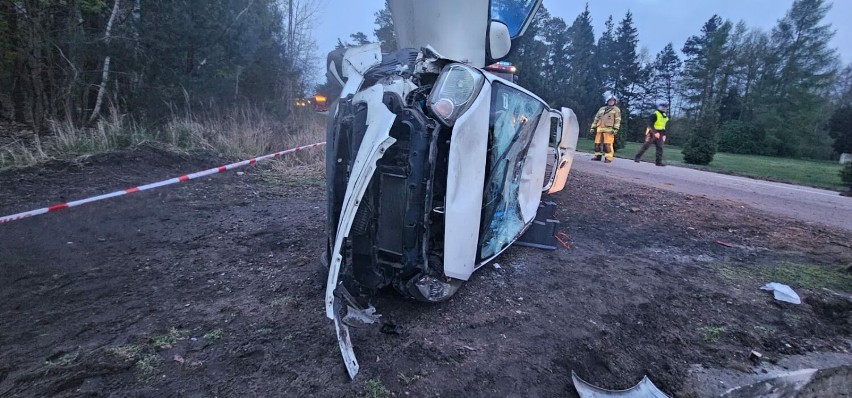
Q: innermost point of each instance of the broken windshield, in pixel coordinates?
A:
(512, 123)
(513, 13)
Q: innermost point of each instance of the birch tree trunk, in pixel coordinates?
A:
(105, 76)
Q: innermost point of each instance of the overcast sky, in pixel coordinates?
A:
(680, 19)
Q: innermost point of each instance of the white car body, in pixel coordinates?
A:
(434, 166)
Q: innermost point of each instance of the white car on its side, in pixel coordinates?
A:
(434, 165)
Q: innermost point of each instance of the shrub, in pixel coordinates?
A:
(846, 174)
(739, 137)
(701, 146)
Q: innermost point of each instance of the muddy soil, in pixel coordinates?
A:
(214, 288)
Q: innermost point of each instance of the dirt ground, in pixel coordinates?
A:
(213, 289)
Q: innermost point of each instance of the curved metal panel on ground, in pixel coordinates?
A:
(645, 389)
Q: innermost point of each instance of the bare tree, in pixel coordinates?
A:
(105, 76)
(300, 48)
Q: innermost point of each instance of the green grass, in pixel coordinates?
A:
(375, 389)
(672, 155)
(148, 363)
(808, 276)
(127, 352)
(815, 173)
(168, 340)
(214, 334)
(711, 333)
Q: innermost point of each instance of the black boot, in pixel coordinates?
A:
(597, 157)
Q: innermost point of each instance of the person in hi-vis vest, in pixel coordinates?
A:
(605, 126)
(656, 133)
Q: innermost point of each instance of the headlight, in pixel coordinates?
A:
(454, 92)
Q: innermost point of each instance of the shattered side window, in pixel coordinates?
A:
(512, 124)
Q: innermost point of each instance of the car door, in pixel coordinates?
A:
(565, 148)
(553, 154)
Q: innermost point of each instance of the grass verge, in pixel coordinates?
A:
(815, 173)
(238, 133)
(808, 276)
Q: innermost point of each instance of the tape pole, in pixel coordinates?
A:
(171, 181)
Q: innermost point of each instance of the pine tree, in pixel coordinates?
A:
(793, 106)
(666, 70)
(583, 74)
(606, 56)
(556, 37)
(533, 57)
(385, 32)
(751, 59)
(842, 93)
(359, 38)
(703, 76)
(627, 73)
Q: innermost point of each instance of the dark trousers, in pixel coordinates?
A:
(658, 142)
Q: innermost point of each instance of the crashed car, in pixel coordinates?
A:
(434, 165)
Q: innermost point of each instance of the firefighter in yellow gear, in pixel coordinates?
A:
(605, 126)
(656, 133)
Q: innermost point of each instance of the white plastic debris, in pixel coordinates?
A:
(356, 317)
(783, 292)
(644, 389)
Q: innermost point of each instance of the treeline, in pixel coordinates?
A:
(74, 60)
(732, 88)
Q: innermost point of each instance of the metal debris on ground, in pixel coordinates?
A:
(644, 389)
(726, 244)
(782, 292)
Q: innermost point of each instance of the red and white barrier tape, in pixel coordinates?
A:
(183, 178)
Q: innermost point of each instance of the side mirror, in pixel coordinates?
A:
(499, 40)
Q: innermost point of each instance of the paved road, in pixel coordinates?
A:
(807, 204)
